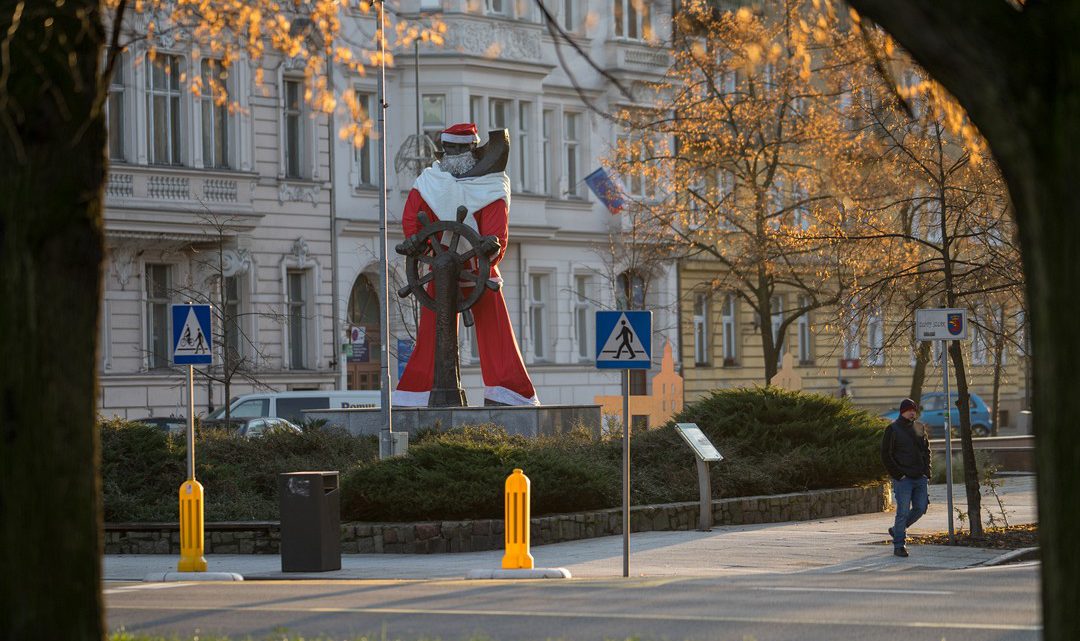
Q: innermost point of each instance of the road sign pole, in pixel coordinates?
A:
(948, 438)
(626, 474)
(191, 423)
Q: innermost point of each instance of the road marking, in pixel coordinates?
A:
(947, 625)
(856, 590)
(145, 586)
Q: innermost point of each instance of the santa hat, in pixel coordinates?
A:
(461, 134)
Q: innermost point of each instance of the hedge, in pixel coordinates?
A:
(773, 441)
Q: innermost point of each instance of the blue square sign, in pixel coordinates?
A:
(624, 339)
(191, 342)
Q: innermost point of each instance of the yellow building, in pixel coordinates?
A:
(721, 348)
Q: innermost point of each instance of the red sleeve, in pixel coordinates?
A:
(494, 220)
(414, 204)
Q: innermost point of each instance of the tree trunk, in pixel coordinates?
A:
(918, 375)
(52, 150)
(971, 474)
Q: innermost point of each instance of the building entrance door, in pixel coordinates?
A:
(363, 331)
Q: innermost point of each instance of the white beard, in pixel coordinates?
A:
(458, 165)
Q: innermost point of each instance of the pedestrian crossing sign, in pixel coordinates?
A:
(624, 339)
(191, 342)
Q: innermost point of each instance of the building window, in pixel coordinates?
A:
(806, 338)
(776, 303)
(875, 339)
(115, 111)
(548, 160)
(538, 296)
(523, 171)
(631, 19)
(434, 115)
(157, 316)
(729, 323)
(364, 156)
(583, 316)
(430, 5)
(230, 308)
(980, 352)
(631, 294)
(572, 154)
(569, 15)
(701, 329)
(163, 110)
(214, 109)
(295, 140)
(852, 350)
(296, 303)
(497, 7)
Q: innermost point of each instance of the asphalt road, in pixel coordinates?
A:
(983, 604)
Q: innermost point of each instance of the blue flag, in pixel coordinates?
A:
(606, 189)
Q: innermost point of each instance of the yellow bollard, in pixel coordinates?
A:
(516, 534)
(191, 528)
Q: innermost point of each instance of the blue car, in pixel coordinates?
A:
(932, 413)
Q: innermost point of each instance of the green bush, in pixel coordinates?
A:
(773, 441)
(143, 467)
(460, 474)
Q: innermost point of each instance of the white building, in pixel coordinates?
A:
(262, 176)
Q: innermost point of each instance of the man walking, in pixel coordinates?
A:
(906, 455)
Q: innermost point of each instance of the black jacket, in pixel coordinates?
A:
(904, 451)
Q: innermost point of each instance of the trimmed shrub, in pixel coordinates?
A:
(460, 474)
(773, 441)
(143, 467)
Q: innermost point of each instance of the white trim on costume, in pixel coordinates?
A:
(461, 139)
(506, 396)
(403, 398)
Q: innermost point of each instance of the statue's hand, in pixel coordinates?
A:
(410, 247)
(489, 246)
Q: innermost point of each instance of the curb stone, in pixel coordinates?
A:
(1023, 554)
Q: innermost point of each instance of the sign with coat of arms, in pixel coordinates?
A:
(945, 324)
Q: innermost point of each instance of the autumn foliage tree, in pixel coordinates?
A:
(743, 148)
(933, 211)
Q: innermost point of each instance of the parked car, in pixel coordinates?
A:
(290, 405)
(171, 424)
(256, 427)
(932, 413)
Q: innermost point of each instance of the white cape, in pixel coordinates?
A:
(444, 193)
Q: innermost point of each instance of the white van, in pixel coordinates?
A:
(289, 405)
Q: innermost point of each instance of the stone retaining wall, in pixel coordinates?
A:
(264, 537)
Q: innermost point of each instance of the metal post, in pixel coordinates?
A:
(704, 496)
(335, 290)
(948, 439)
(626, 474)
(191, 423)
(386, 434)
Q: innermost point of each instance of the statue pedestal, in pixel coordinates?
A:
(545, 420)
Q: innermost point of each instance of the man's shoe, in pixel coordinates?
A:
(901, 551)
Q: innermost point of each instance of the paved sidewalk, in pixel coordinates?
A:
(846, 544)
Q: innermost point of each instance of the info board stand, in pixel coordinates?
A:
(944, 325)
(624, 341)
(704, 453)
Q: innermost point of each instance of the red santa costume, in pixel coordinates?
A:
(438, 193)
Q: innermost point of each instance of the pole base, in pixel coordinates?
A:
(447, 397)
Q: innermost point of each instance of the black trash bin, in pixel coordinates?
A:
(310, 521)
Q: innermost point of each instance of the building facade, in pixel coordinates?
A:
(236, 206)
